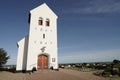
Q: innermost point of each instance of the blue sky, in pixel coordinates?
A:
(88, 30)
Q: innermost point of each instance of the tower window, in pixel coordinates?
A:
(43, 36)
(40, 21)
(47, 22)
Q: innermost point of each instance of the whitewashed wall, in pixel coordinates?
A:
(22, 54)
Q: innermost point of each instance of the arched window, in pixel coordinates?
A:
(40, 21)
(47, 22)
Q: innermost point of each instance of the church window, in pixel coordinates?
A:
(43, 36)
(40, 21)
(47, 22)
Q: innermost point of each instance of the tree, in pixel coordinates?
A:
(3, 56)
(116, 61)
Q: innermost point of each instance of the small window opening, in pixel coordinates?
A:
(47, 22)
(40, 21)
(43, 36)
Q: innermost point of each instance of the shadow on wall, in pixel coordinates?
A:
(25, 53)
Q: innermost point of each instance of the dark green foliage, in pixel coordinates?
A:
(12, 69)
(91, 66)
(114, 69)
(116, 61)
(100, 67)
(106, 74)
(3, 56)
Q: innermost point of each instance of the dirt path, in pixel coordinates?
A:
(52, 75)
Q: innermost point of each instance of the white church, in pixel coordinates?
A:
(39, 48)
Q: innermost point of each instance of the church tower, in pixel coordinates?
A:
(39, 49)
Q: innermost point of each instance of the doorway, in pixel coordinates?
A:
(42, 61)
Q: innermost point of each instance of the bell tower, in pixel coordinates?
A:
(39, 49)
(42, 37)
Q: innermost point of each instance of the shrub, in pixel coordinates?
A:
(114, 72)
(98, 73)
(106, 74)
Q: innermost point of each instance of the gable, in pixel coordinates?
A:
(25, 39)
(43, 10)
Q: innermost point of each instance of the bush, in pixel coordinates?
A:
(106, 74)
(98, 73)
(119, 73)
(114, 72)
(100, 67)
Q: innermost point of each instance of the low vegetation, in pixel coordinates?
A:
(105, 69)
(113, 70)
(10, 68)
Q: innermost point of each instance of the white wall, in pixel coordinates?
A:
(22, 54)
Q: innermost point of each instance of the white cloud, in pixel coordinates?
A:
(90, 56)
(82, 56)
(96, 6)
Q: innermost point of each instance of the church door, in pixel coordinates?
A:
(42, 62)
